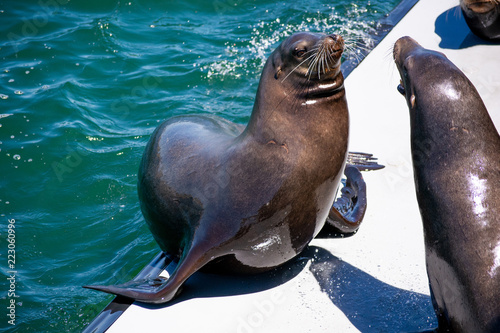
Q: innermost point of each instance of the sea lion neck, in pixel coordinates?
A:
(267, 107)
(297, 99)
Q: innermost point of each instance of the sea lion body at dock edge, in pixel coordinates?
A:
(248, 201)
(456, 161)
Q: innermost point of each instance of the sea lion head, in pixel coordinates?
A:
(307, 65)
(301, 78)
(419, 69)
(404, 52)
(483, 18)
(437, 91)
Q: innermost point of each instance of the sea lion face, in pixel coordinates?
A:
(309, 61)
(414, 64)
(483, 17)
(405, 51)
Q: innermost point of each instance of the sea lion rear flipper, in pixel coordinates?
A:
(348, 211)
(159, 289)
(135, 289)
(363, 161)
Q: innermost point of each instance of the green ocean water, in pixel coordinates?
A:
(82, 86)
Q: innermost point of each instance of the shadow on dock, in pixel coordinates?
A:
(454, 32)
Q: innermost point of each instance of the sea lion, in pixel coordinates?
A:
(456, 161)
(483, 18)
(248, 201)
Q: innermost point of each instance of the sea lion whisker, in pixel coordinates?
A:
(355, 49)
(357, 55)
(320, 62)
(321, 56)
(315, 62)
(314, 49)
(330, 57)
(333, 62)
(351, 42)
(329, 53)
(312, 68)
(353, 52)
(312, 65)
(293, 70)
(331, 50)
(326, 66)
(326, 58)
(350, 47)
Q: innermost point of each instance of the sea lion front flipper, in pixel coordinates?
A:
(348, 211)
(363, 161)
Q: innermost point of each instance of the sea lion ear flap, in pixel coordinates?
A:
(277, 64)
(277, 74)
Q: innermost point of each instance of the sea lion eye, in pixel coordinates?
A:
(299, 52)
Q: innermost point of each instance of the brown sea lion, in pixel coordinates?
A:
(456, 161)
(249, 201)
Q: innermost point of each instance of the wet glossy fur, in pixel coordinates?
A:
(248, 201)
(456, 159)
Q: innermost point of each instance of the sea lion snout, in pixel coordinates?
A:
(313, 60)
(402, 47)
(325, 57)
(480, 6)
(401, 54)
(335, 41)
